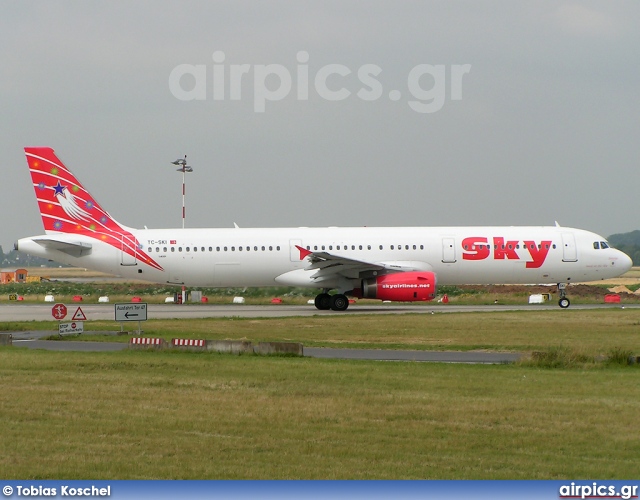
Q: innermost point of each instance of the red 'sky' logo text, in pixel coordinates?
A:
(478, 248)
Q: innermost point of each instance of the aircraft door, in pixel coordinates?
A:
(448, 250)
(569, 250)
(129, 244)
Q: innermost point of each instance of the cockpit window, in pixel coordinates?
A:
(604, 244)
(596, 245)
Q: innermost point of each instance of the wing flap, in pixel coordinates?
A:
(330, 266)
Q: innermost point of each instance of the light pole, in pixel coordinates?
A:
(183, 168)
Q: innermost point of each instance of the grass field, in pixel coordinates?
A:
(176, 415)
(169, 415)
(593, 332)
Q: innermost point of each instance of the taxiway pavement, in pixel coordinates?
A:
(33, 340)
(42, 312)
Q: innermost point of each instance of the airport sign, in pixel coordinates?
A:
(131, 312)
(79, 315)
(59, 311)
(73, 327)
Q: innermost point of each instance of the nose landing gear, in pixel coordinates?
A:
(564, 302)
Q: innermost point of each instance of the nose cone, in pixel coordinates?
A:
(624, 262)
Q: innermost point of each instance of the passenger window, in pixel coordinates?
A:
(179, 249)
(173, 249)
(263, 249)
(195, 249)
(149, 250)
(271, 249)
(421, 247)
(158, 249)
(164, 249)
(217, 249)
(278, 248)
(391, 247)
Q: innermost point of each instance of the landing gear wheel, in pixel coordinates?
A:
(323, 301)
(339, 302)
(564, 301)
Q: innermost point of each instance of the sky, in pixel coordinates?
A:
(333, 113)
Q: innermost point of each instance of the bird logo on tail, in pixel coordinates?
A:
(67, 207)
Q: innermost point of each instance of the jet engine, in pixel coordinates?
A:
(401, 287)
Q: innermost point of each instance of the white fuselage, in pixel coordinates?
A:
(266, 257)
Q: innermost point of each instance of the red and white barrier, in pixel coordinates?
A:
(188, 343)
(146, 341)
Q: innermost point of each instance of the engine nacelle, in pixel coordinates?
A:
(401, 287)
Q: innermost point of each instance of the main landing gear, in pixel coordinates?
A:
(337, 302)
(564, 302)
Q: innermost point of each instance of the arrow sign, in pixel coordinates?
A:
(131, 312)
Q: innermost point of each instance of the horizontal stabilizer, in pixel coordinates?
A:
(73, 248)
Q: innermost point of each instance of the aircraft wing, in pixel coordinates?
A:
(73, 248)
(329, 266)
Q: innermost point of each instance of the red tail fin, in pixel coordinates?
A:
(67, 207)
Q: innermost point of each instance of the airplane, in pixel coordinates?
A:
(403, 264)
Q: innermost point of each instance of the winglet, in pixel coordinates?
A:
(303, 252)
